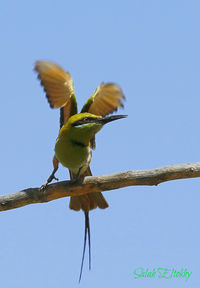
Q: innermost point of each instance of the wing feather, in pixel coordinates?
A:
(57, 83)
(58, 86)
(106, 99)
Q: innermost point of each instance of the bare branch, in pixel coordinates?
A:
(99, 184)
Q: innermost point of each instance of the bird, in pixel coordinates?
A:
(77, 132)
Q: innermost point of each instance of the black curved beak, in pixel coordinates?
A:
(108, 119)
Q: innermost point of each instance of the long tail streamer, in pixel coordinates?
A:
(87, 232)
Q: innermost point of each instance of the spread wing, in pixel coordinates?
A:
(59, 89)
(105, 100)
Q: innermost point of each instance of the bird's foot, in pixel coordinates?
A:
(49, 180)
(74, 181)
(55, 178)
(44, 186)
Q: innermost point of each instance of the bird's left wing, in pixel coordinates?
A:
(105, 100)
(59, 89)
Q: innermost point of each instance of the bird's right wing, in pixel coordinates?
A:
(59, 89)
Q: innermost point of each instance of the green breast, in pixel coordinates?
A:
(71, 154)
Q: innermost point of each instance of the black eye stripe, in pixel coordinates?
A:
(83, 121)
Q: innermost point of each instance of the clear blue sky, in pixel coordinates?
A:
(151, 49)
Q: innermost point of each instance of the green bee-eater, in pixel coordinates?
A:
(77, 131)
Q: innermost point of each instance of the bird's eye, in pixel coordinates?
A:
(85, 119)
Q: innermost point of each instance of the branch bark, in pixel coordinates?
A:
(98, 184)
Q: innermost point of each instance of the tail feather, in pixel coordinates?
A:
(87, 232)
(86, 203)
